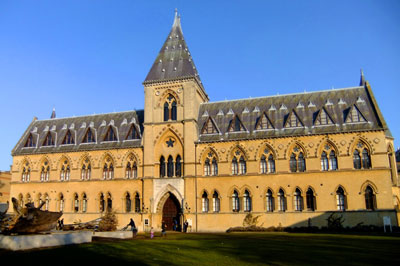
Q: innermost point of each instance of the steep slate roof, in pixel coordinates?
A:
(58, 127)
(337, 103)
(174, 60)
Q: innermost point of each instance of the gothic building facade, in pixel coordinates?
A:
(289, 159)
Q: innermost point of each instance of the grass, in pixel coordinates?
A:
(222, 249)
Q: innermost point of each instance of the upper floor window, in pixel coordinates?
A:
(361, 157)
(45, 172)
(263, 123)
(86, 170)
(29, 142)
(354, 115)
(131, 168)
(133, 133)
(162, 166)
(238, 163)
(297, 161)
(26, 173)
(65, 172)
(323, 118)
(267, 162)
(68, 139)
(293, 120)
(236, 125)
(48, 141)
(110, 135)
(209, 127)
(108, 169)
(89, 136)
(170, 108)
(370, 200)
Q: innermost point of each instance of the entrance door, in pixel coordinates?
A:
(171, 212)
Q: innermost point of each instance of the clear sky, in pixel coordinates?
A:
(85, 57)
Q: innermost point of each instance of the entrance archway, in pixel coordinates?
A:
(171, 212)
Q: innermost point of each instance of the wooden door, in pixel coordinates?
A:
(171, 212)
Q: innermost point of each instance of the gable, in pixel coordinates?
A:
(323, 118)
(293, 120)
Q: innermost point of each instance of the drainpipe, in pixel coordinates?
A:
(195, 184)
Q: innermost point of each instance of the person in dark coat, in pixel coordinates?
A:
(163, 229)
(133, 228)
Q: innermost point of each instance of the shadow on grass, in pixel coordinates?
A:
(224, 249)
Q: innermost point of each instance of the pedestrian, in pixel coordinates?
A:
(175, 225)
(133, 228)
(163, 229)
(185, 226)
(151, 233)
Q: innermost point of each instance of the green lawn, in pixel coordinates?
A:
(222, 249)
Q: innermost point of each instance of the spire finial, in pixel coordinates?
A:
(362, 78)
(53, 114)
(176, 19)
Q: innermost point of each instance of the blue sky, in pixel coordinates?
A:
(85, 57)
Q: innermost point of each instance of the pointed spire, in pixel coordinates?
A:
(53, 114)
(174, 60)
(362, 78)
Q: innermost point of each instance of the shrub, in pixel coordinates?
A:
(108, 222)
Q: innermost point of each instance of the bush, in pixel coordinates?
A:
(108, 222)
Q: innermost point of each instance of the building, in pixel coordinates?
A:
(5, 180)
(290, 158)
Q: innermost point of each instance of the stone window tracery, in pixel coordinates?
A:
(170, 111)
(361, 157)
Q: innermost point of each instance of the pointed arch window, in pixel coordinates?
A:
(269, 201)
(356, 159)
(267, 162)
(170, 166)
(263, 123)
(214, 167)
(86, 170)
(84, 202)
(235, 201)
(45, 172)
(128, 203)
(216, 202)
(108, 169)
(297, 161)
(293, 163)
(340, 199)
(324, 162)
(29, 142)
(204, 202)
(298, 200)
(68, 139)
(102, 203)
(207, 167)
(246, 201)
(238, 163)
(48, 141)
(76, 203)
(65, 172)
(133, 133)
(310, 199)
(109, 202)
(242, 166)
(178, 166)
(361, 157)
(366, 160)
(47, 202)
(370, 200)
(236, 125)
(26, 173)
(137, 202)
(162, 166)
(263, 164)
(209, 127)
(61, 200)
(170, 108)
(131, 168)
(235, 166)
(110, 135)
(89, 137)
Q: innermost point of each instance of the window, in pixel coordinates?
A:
(84, 203)
(133, 133)
(340, 199)
(128, 203)
(216, 202)
(29, 142)
(89, 137)
(263, 165)
(170, 167)
(282, 200)
(235, 201)
(332, 161)
(45, 172)
(235, 166)
(170, 108)
(323, 118)
(361, 157)
(76, 203)
(324, 162)
(269, 201)
(301, 163)
(209, 127)
(178, 166)
(204, 202)
(68, 139)
(214, 168)
(162, 166)
(110, 135)
(297, 162)
(137, 202)
(310, 198)
(86, 170)
(293, 163)
(246, 201)
(298, 200)
(207, 167)
(61, 200)
(263, 123)
(48, 141)
(271, 164)
(293, 120)
(108, 169)
(131, 168)
(267, 165)
(236, 125)
(370, 201)
(26, 173)
(65, 172)
(102, 205)
(242, 166)
(355, 116)
(47, 202)
(109, 202)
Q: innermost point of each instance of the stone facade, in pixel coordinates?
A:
(291, 159)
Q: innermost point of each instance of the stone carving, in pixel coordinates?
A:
(28, 220)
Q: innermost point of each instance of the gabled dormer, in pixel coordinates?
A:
(69, 138)
(263, 122)
(293, 120)
(236, 125)
(354, 115)
(323, 118)
(209, 127)
(89, 136)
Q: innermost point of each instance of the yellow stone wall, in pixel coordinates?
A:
(5, 179)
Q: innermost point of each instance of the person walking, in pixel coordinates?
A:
(152, 233)
(133, 228)
(163, 229)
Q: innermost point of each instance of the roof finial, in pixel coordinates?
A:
(362, 78)
(53, 114)
(176, 19)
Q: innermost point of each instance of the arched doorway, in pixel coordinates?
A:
(171, 212)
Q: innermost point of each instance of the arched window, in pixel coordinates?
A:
(269, 201)
(298, 200)
(137, 202)
(178, 166)
(242, 166)
(366, 160)
(110, 135)
(109, 202)
(216, 202)
(108, 169)
(214, 169)
(301, 163)
(170, 108)
(61, 200)
(105, 171)
(235, 201)
(263, 165)
(162, 166)
(246, 201)
(324, 162)
(128, 203)
(361, 157)
(84, 202)
(310, 198)
(21, 200)
(128, 170)
(45, 173)
(65, 171)
(235, 166)
(204, 202)
(293, 163)
(26, 173)
(76, 203)
(282, 200)
(131, 168)
(271, 164)
(170, 167)
(357, 159)
(102, 206)
(340, 199)
(47, 202)
(370, 201)
(86, 170)
(207, 167)
(332, 161)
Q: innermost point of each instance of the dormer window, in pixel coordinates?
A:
(355, 116)
(89, 137)
(68, 138)
(209, 127)
(293, 120)
(48, 141)
(236, 125)
(110, 135)
(263, 123)
(29, 142)
(170, 108)
(133, 133)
